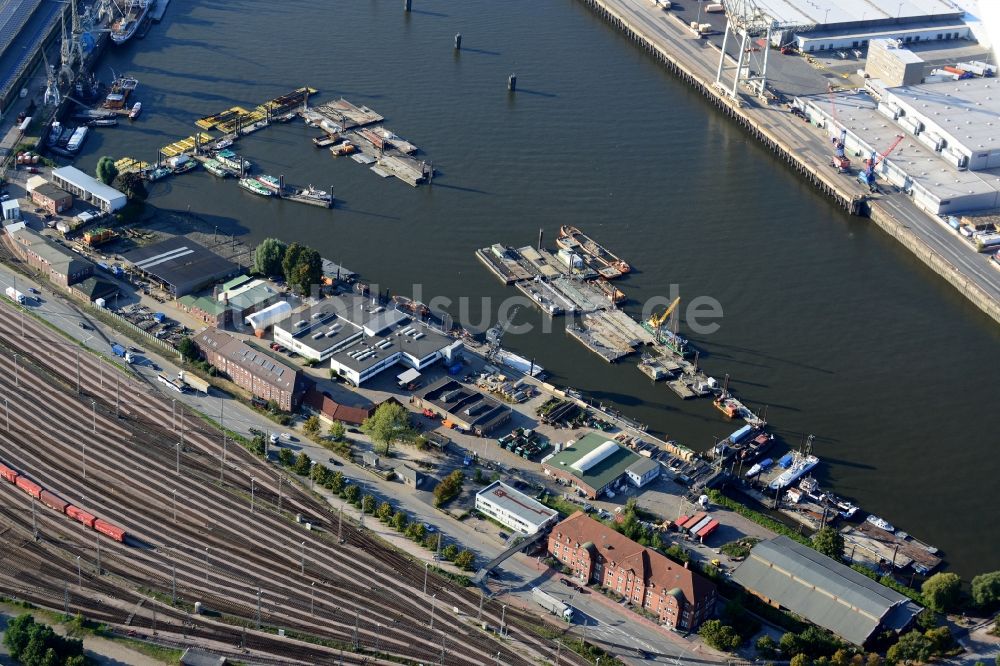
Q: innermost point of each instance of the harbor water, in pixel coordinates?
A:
(827, 321)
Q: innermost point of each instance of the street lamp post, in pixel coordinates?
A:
(93, 404)
(433, 607)
(253, 491)
(312, 598)
(427, 566)
(6, 408)
(503, 620)
(303, 569)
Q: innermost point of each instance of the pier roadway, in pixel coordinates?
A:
(804, 147)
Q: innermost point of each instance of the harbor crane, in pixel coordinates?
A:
(867, 175)
(657, 321)
(494, 336)
(748, 22)
(840, 159)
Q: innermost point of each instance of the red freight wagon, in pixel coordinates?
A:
(8, 473)
(76, 513)
(53, 501)
(28, 486)
(106, 528)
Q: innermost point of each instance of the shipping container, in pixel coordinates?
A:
(107, 529)
(78, 514)
(28, 486)
(8, 474)
(53, 501)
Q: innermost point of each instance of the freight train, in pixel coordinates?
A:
(56, 503)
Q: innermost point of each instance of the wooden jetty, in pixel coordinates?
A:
(326, 140)
(502, 262)
(542, 262)
(875, 546)
(409, 170)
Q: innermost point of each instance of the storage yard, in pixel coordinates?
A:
(183, 509)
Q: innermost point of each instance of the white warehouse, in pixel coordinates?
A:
(514, 509)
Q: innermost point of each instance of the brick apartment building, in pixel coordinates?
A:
(264, 376)
(677, 596)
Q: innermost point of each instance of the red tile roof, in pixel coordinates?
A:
(656, 570)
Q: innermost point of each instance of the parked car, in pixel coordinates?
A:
(335, 462)
(273, 438)
(84, 326)
(430, 528)
(285, 437)
(32, 290)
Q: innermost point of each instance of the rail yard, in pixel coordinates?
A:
(185, 497)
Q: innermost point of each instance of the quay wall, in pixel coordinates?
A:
(846, 200)
(935, 261)
(853, 203)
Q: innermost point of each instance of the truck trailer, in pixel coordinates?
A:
(15, 295)
(551, 604)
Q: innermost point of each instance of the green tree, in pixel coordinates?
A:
(448, 488)
(912, 648)
(302, 463)
(34, 644)
(389, 423)
(337, 482)
(465, 560)
(719, 636)
(337, 431)
(940, 639)
(449, 552)
(384, 512)
(942, 591)
(766, 646)
(268, 256)
(399, 521)
(188, 349)
(830, 542)
(416, 531)
(106, 170)
(799, 660)
(290, 260)
(286, 457)
(258, 443)
(352, 493)
(319, 473)
(986, 589)
(312, 426)
(368, 504)
(132, 185)
(308, 271)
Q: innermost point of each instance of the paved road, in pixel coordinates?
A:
(612, 626)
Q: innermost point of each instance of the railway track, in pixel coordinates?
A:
(360, 593)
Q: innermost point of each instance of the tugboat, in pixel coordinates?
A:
(158, 173)
(318, 195)
(255, 186)
(133, 14)
(216, 169)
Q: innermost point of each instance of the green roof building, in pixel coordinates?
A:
(596, 464)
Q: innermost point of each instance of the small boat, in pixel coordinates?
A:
(222, 144)
(186, 166)
(136, 110)
(103, 122)
(880, 523)
(613, 293)
(408, 304)
(255, 186)
(158, 173)
(316, 194)
(728, 406)
(846, 509)
(270, 182)
(800, 466)
(230, 159)
(216, 169)
(343, 149)
(758, 468)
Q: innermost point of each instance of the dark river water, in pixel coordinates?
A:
(827, 321)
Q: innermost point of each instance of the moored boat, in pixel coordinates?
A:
(102, 122)
(270, 182)
(607, 265)
(133, 14)
(230, 159)
(880, 523)
(216, 169)
(800, 465)
(136, 110)
(758, 468)
(158, 173)
(255, 186)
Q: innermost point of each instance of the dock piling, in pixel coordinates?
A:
(458, 42)
(541, 234)
(512, 82)
(407, 5)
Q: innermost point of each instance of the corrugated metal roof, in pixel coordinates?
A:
(819, 589)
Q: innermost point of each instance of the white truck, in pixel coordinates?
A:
(551, 604)
(15, 295)
(193, 382)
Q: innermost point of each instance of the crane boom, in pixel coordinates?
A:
(656, 321)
